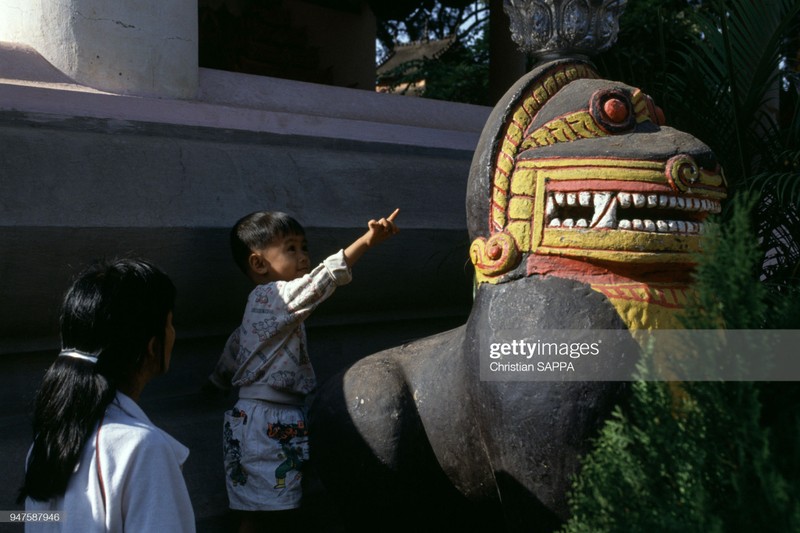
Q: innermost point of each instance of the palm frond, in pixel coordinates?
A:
(730, 80)
(784, 185)
(735, 62)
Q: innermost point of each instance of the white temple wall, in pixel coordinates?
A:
(137, 47)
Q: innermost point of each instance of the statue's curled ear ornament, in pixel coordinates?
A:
(494, 256)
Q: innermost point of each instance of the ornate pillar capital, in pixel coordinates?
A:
(555, 28)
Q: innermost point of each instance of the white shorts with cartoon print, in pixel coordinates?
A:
(264, 448)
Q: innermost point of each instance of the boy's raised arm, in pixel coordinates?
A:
(379, 231)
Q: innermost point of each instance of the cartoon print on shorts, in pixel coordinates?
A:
(233, 452)
(292, 453)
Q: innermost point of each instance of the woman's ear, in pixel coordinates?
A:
(155, 352)
(153, 348)
(258, 264)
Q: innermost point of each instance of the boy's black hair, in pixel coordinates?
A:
(257, 230)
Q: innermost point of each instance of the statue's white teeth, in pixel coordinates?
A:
(662, 226)
(605, 211)
(550, 208)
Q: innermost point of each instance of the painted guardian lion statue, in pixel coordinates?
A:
(584, 210)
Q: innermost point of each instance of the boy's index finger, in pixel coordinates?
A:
(393, 215)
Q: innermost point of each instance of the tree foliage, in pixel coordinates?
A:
(459, 75)
(421, 20)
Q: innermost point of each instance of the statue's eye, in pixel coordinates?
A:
(612, 110)
(616, 110)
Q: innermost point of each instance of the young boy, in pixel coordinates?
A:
(265, 434)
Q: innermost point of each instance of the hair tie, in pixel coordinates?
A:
(77, 354)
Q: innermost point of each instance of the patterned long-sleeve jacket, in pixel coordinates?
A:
(267, 355)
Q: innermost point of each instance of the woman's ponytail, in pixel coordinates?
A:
(110, 313)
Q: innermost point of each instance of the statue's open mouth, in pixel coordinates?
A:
(630, 211)
(604, 209)
(647, 217)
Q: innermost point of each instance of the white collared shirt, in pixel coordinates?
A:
(142, 480)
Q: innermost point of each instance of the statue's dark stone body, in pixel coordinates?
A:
(411, 438)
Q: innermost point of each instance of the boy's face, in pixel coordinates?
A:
(285, 258)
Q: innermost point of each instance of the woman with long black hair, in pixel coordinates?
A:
(96, 457)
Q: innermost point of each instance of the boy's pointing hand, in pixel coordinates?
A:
(380, 230)
(377, 232)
